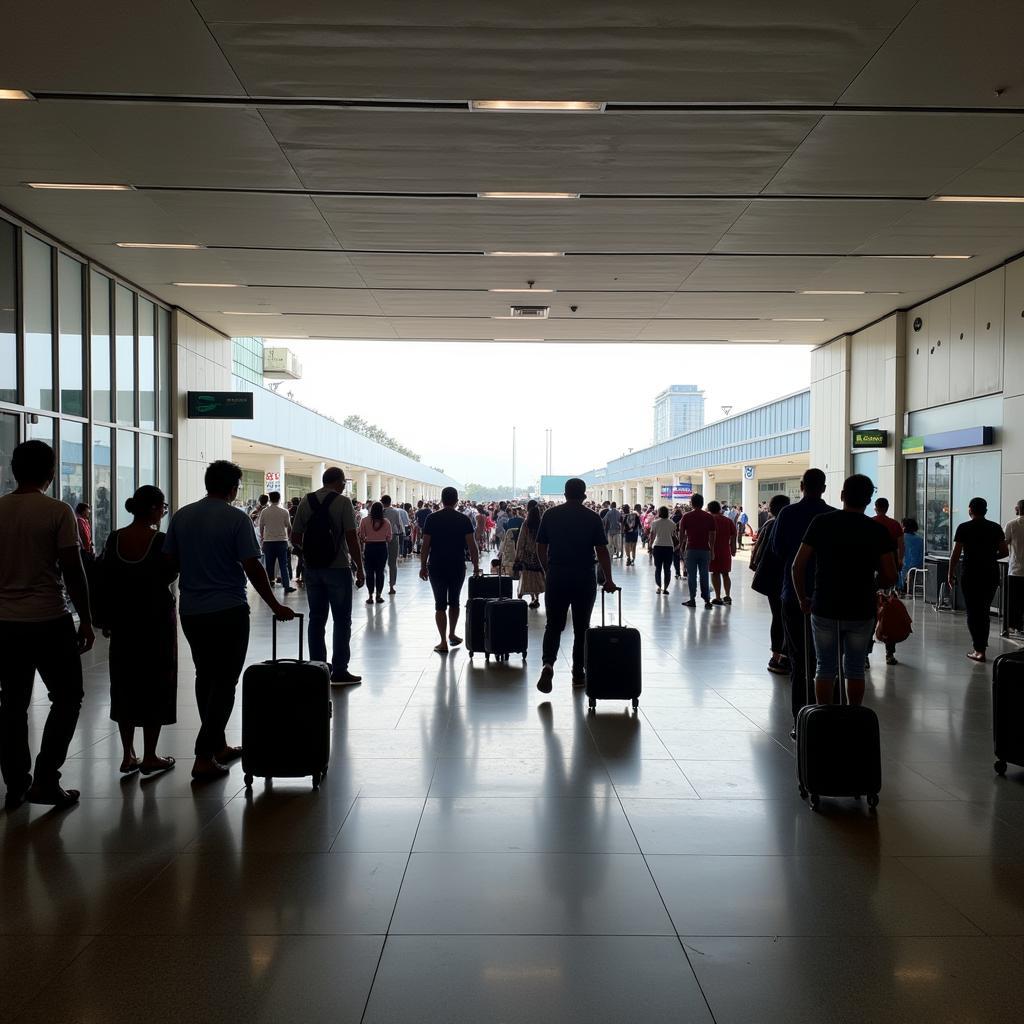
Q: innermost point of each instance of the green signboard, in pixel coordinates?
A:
(912, 445)
(870, 438)
(220, 405)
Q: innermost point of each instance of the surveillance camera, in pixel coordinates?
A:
(574, 308)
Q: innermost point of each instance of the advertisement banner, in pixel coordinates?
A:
(271, 482)
(677, 493)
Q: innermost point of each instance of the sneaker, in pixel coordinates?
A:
(778, 668)
(14, 799)
(344, 678)
(708, 605)
(546, 675)
(717, 600)
(690, 604)
(289, 590)
(890, 659)
(726, 600)
(55, 797)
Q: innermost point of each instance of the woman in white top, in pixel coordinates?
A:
(662, 543)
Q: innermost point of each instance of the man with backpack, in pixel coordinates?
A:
(325, 530)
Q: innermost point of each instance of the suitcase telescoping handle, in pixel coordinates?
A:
(618, 591)
(299, 618)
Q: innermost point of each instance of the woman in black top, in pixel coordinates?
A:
(981, 544)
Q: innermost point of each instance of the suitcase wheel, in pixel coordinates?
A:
(872, 799)
(803, 793)
(636, 703)
(815, 801)
(248, 781)
(487, 657)
(1000, 767)
(593, 703)
(316, 780)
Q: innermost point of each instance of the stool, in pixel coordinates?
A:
(915, 576)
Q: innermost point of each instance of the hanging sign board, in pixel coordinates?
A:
(871, 438)
(220, 405)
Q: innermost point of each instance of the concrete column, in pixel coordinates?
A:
(316, 474)
(748, 497)
(403, 490)
(378, 487)
(707, 487)
(361, 485)
(276, 466)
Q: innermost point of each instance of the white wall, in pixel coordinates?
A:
(201, 360)
(830, 413)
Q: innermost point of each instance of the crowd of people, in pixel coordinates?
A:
(821, 569)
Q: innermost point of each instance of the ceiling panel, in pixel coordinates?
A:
(459, 151)
(138, 47)
(303, 326)
(999, 174)
(890, 155)
(483, 303)
(485, 328)
(37, 145)
(756, 273)
(790, 50)
(948, 53)
(490, 225)
(352, 302)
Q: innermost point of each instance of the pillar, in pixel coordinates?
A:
(276, 466)
(707, 486)
(378, 487)
(362, 478)
(748, 492)
(316, 475)
(403, 490)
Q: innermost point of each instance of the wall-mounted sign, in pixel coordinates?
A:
(749, 472)
(871, 438)
(220, 405)
(969, 437)
(676, 492)
(271, 482)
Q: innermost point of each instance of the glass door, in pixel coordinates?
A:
(937, 536)
(10, 437)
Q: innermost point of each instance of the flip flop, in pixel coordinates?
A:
(131, 769)
(441, 649)
(168, 764)
(454, 641)
(229, 754)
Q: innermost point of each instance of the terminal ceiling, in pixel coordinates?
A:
(324, 156)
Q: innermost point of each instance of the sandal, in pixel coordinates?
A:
(132, 766)
(164, 764)
(441, 649)
(228, 754)
(975, 656)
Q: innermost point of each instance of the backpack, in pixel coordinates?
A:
(894, 621)
(321, 540)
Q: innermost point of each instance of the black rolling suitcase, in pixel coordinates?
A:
(286, 717)
(506, 628)
(612, 661)
(1008, 709)
(838, 748)
(481, 590)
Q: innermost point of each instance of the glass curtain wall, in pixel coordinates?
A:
(85, 365)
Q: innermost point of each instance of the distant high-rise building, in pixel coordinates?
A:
(678, 410)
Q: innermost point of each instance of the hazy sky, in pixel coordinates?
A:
(456, 403)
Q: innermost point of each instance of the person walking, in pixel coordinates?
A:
(375, 535)
(662, 542)
(613, 530)
(325, 531)
(980, 543)
(1014, 537)
(742, 519)
(447, 535)
(138, 615)
(894, 529)
(722, 555)
(570, 537)
(392, 515)
(790, 526)
(853, 557)
(531, 579)
(274, 526)
(630, 531)
(213, 547)
(39, 547)
(697, 541)
(83, 517)
(767, 580)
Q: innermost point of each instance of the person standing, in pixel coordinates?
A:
(790, 526)
(662, 540)
(894, 529)
(214, 548)
(325, 531)
(630, 531)
(392, 516)
(375, 535)
(531, 580)
(38, 548)
(83, 517)
(768, 581)
(274, 526)
(853, 557)
(140, 619)
(980, 543)
(742, 519)
(613, 530)
(697, 541)
(447, 535)
(722, 555)
(1014, 537)
(569, 539)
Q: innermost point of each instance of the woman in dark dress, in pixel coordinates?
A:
(139, 617)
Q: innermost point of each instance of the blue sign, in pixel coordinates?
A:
(969, 437)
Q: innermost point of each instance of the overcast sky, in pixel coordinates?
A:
(456, 403)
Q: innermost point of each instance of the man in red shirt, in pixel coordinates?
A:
(697, 540)
(894, 528)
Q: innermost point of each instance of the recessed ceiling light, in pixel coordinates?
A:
(502, 252)
(798, 319)
(80, 187)
(540, 106)
(830, 291)
(15, 94)
(527, 195)
(205, 284)
(522, 291)
(158, 245)
(977, 199)
(246, 312)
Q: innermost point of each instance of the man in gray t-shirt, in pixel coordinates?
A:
(613, 530)
(329, 585)
(394, 517)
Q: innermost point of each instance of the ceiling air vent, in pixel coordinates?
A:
(529, 312)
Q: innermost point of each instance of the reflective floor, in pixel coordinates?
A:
(478, 853)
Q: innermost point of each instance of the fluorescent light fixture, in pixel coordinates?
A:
(518, 339)
(158, 245)
(977, 199)
(831, 291)
(502, 252)
(245, 312)
(798, 319)
(904, 256)
(80, 187)
(205, 284)
(522, 291)
(15, 94)
(541, 106)
(527, 195)
(754, 341)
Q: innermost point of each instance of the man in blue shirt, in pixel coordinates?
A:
(215, 549)
(790, 527)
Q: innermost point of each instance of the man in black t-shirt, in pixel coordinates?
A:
(853, 556)
(980, 543)
(447, 536)
(568, 539)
